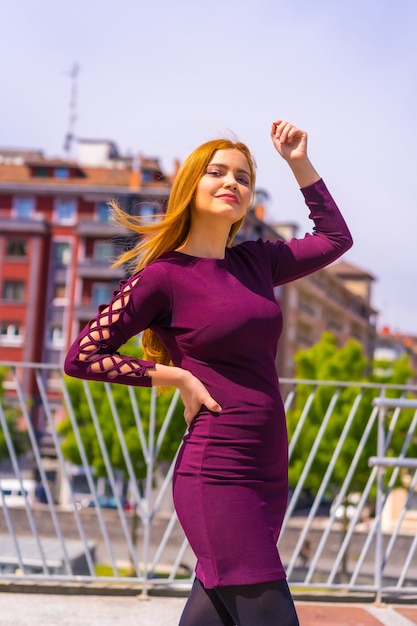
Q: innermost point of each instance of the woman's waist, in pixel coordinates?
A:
(243, 459)
(251, 414)
(236, 435)
(246, 385)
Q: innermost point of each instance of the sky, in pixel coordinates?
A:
(159, 78)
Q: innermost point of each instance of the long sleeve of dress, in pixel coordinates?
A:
(330, 239)
(142, 301)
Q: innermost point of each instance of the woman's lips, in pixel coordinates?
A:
(228, 196)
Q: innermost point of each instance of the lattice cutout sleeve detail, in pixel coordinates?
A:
(94, 354)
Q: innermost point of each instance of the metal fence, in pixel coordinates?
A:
(86, 493)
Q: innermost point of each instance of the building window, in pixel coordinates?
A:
(103, 212)
(54, 381)
(148, 212)
(306, 306)
(60, 295)
(40, 172)
(16, 247)
(334, 325)
(61, 172)
(101, 293)
(11, 334)
(9, 381)
(24, 208)
(103, 252)
(149, 176)
(13, 290)
(62, 252)
(65, 211)
(56, 336)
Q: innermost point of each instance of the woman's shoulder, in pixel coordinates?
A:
(255, 248)
(155, 274)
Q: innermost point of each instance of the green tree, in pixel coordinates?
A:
(18, 436)
(103, 410)
(397, 372)
(325, 361)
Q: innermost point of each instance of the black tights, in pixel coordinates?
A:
(263, 604)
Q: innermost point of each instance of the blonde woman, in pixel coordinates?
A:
(210, 326)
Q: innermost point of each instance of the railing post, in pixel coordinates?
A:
(382, 462)
(148, 495)
(379, 504)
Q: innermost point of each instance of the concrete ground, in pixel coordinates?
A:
(70, 609)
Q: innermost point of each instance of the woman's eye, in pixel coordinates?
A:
(214, 173)
(243, 181)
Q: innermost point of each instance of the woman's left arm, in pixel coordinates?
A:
(331, 237)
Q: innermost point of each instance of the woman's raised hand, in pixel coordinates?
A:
(289, 141)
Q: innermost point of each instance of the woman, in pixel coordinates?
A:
(210, 310)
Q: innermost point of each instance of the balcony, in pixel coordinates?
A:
(91, 268)
(85, 311)
(89, 228)
(33, 226)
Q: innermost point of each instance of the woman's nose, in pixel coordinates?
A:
(230, 182)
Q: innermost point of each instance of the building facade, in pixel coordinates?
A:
(57, 243)
(326, 301)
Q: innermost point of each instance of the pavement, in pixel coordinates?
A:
(29, 608)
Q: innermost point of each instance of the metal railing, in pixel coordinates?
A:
(89, 499)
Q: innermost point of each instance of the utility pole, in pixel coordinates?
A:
(69, 137)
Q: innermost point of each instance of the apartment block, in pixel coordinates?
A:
(337, 299)
(57, 242)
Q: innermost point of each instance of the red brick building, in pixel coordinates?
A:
(57, 242)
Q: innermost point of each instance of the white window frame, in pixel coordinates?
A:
(17, 240)
(16, 282)
(13, 337)
(60, 301)
(17, 200)
(56, 261)
(66, 220)
(106, 259)
(56, 336)
(98, 212)
(149, 211)
(96, 286)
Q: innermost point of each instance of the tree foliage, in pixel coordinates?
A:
(325, 361)
(11, 414)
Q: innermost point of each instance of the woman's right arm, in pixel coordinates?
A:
(142, 301)
(94, 354)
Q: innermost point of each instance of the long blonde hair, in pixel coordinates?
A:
(172, 229)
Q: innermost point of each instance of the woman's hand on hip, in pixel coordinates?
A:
(194, 395)
(193, 392)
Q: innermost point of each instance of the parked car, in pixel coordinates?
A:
(14, 495)
(110, 502)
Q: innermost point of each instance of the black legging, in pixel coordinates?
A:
(263, 604)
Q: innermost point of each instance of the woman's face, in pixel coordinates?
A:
(225, 188)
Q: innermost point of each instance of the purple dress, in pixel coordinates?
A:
(219, 319)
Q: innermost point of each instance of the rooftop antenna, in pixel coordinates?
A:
(69, 137)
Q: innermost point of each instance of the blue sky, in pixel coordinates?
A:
(160, 77)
